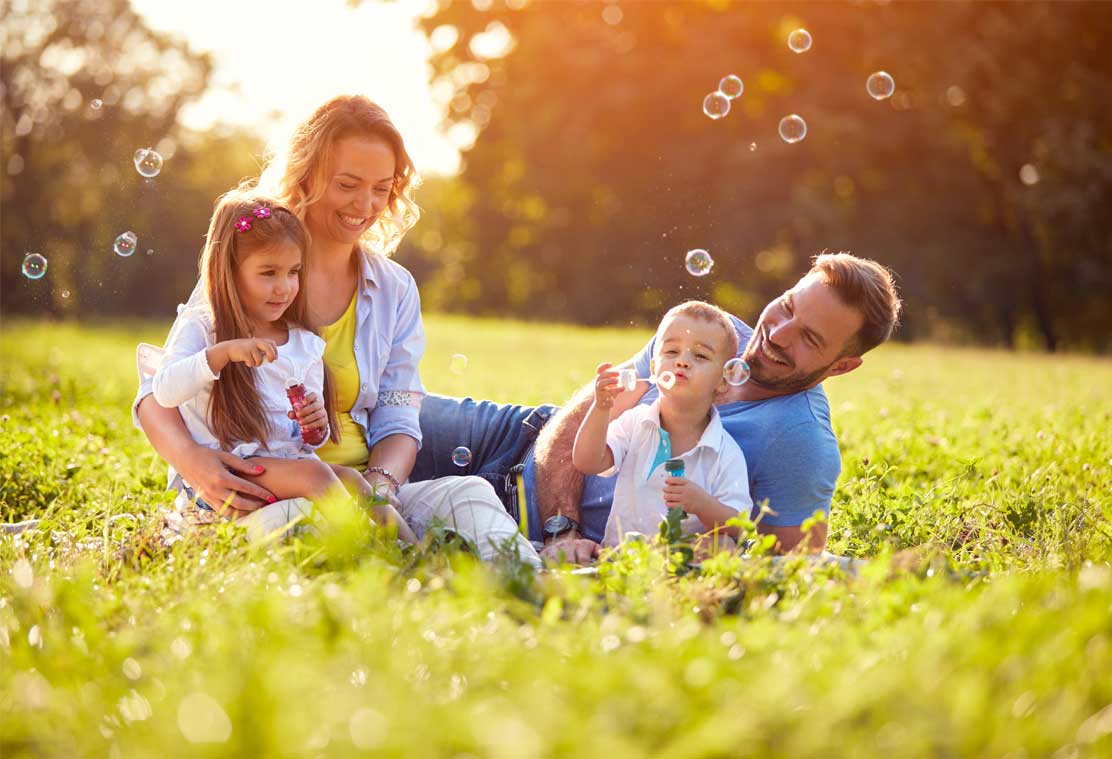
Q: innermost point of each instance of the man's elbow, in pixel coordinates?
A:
(796, 539)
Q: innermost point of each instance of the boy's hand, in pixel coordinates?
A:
(680, 492)
(606, 386)
(253, 351)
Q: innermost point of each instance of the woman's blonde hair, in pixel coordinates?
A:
(235, 410)
(299, 174)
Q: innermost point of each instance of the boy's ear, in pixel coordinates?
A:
(722, 389)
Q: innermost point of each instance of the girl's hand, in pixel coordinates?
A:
(606, 386)
(312, 414)
(253, 351)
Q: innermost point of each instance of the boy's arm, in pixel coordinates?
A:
(680, 492)
(589, 452)
(560, 484)
(728, 493)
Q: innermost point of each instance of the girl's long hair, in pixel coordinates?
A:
(235, 412)
(298, 175)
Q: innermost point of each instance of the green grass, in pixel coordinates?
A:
(977, 483)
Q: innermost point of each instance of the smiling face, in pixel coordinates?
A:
(267, 281)
(359, 185)
(801, 339)
(695, 350)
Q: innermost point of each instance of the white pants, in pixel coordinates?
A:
(466, 505)
(470, 507)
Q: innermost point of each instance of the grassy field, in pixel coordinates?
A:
(976, 483)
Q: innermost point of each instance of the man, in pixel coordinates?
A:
(842, 308)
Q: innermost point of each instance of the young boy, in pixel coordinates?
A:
(694, 341)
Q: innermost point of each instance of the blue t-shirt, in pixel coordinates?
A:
(789, 446)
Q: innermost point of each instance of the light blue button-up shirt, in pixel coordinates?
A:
(389, 342)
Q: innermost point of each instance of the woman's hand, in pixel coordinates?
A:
(312, 414)
(213, 475)
(390, 513)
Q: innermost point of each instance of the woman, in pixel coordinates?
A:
(347, 176)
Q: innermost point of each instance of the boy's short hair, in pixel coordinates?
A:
(698, 309)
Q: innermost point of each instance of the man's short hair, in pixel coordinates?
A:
(866, 286)
(698, 309)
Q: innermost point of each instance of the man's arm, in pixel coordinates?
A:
(797, 475)
(559, 483)
(790, 538)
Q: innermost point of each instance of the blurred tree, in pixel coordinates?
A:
(984, 181)
(86, 84)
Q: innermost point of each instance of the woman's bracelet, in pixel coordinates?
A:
(385, 473)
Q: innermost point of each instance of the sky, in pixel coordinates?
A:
(286, 57)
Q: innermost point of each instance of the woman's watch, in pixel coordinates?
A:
(557, 525)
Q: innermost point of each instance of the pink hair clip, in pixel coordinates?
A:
(243, 223)
(262, 212)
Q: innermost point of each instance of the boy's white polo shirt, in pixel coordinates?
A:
(715, 464)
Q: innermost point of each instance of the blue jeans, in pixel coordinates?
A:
(501, 439)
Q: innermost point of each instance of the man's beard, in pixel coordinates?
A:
(759, 374)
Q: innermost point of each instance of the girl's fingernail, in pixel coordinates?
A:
(258, 470)
(271, 499)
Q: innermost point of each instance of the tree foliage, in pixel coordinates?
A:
(594, 170)
(86, 84)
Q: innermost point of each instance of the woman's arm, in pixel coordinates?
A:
(394, 453)
(210, 473)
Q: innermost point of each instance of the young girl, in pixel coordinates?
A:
(229, 361)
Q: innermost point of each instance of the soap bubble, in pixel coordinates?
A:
(1028, 174)
(698, 262)
(665, 380)
(65, 293)
(96, 104)
(125, 244)
(752, 147)
(461, 456)
(736, 372)
(731, 86)
(880, 85)
(793, 128)
(150, 251)
(34, 266)
(627, 379)
(148, 162)
(457, 364)
(799, 41)
(716, 105)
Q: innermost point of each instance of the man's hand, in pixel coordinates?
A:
(570, 547)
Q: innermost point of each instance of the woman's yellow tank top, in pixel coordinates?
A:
(339, 357)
